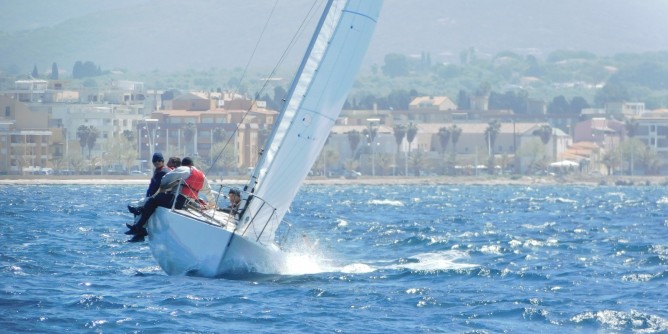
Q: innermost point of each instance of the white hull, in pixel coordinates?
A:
(184, 244)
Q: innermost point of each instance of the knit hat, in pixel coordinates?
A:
(157, 156)
(187, 161)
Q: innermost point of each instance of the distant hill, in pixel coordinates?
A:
(146, 35)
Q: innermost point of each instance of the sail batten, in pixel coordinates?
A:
(314, 103)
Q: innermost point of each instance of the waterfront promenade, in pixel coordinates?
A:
(363, 180)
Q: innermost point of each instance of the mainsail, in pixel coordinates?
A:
(314, 102)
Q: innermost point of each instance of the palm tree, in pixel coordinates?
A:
(83, 132)
(491, 133)
(354, 138)
(189, 133)
(455, 132)
(631, 129)
(370, 134)
(544, 132)
(443, 138)
(410, 135)
(129, 135)
(92, 138)
(399, 134)
(611, 160)
(219, 134)
(411, 132)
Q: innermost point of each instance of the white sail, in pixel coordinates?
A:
(315, 101)
(211, 243)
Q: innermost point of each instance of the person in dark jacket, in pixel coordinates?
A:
(159, 171)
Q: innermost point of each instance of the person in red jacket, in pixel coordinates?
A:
(192, 182)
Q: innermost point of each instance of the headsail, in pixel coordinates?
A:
(314, 103)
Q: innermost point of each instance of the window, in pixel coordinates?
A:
(662, 130)
(8, 111)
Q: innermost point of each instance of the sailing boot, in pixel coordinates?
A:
(133, 228)
(131, 231)
(139, 236)
(135, 210)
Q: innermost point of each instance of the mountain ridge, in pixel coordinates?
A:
(146, 35)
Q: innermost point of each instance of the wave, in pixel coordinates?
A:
(623, 321)
(388, 202)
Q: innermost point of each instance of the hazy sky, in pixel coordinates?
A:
(170, 34)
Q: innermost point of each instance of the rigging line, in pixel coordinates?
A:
(300, 30)
(243, 76)
(289, 122)
(257, 44)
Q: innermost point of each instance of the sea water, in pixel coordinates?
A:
(367, 259)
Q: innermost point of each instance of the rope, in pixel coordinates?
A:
(309, 16)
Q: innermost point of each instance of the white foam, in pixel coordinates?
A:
(386, 202)
(341, 223)
(311, 261)
(444, 260)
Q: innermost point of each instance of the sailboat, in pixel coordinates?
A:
(212, 243)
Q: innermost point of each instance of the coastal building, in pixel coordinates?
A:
(41, 123)
(652, 129)
(186, 132)
(24, 137)
(471, 147)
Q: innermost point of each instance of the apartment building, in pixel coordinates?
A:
(652, 129)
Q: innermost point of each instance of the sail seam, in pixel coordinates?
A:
(360, 14)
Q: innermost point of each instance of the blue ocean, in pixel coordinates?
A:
(367, 259)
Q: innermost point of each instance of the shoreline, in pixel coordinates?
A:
(380, 180)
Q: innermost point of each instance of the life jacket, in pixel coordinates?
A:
(193, 183)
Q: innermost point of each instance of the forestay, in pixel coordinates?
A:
(314, 103)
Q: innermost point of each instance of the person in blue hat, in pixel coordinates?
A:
(158, 172)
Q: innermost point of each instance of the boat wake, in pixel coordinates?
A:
(300, 263)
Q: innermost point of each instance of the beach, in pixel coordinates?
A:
(379, 180)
